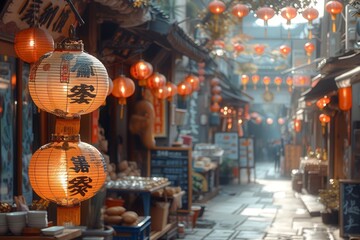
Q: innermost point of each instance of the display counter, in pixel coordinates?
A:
(68, 234)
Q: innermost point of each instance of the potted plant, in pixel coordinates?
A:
(226, 171)
(330, 199)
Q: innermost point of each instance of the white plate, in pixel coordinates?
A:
(51, 231)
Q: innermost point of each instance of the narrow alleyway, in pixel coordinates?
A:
(266, 209)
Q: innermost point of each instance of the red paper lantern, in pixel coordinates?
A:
(309, 48)
(259, 49)
(255, 79)
(216, 90)
(240, 10)
(216, 98)
(345, 98)
(193, 81)
(238, 48)
(216, 7)
(215, 81)
(310, 14)
(278, 81)
(288, 13)
(32, 43)
(324, 118)
(123, 88)
(141, 70)
(289, 82)
(285, 50)
(184, 88)
(334, 8)
(161, 92)
(297, 125)
(322, 102)
(215, 107)
(266, 80)
(265, 13)
(156, 80)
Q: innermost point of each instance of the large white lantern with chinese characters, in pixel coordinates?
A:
(68, 82)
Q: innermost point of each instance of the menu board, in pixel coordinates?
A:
(173, 163)
(228, 141)
(246, 152)
(349, 208)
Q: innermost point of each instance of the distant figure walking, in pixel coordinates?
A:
(277, 154)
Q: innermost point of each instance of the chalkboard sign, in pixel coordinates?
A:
(349, 208)
(173, 163)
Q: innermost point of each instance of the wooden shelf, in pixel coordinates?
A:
(154, 235)
(68, 234)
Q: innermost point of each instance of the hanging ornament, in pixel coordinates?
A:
(171, 90)
(160, 92)
(32, 43)
(322, 102)
(141, 70)
(334, 8)
(324, 118)
(266, 81)
(288, 13)
(255, 79)
(297, 125)
(310, 14)
(238, 48)
(216, 98)
(345, 98)
(184, 88)
(259, 49)
(214, 81)
(193, 81)
(215, 107)
(309, 49)
(68, 82)
(123, 88)
(289, 82)
(265, 13)
(216, 7)
(155, 80)
(285, 50)
(240, 11)
(216, 90)
(244, 81)
(278, 81)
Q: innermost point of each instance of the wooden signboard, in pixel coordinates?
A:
(173, 163)
(349, 211)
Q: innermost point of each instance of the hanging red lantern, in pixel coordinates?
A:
(141, 70)
(216, 7)
(160, 92)
(334, 8)
(238, 48)
(285, 50)
(171, 89)
(309, 48)
(214, 81)
(324, 118)
(297, 125)
(184, 88)
(259, 49)
(255, 79)
(288, 13)
(244, 80)
(216, 90)
(281, 121)
(240, 10)
(278, 81)
(156, 80)
(193, 81)
(215, 107)
(345, 98)
(310, 14)
(322, 102)
(265, 13)
(32, 43)
(123, 88)
(266, 81)
(216, 98)
(289, 82)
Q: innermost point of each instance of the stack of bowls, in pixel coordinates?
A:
(16, 222)
(37, 219)
(3, 224)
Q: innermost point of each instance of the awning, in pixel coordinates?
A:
(330, 69)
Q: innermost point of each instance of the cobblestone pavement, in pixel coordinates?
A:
(265, 209)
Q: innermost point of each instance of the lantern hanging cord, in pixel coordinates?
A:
(77, 15)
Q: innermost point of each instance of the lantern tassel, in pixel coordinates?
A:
(122, 102)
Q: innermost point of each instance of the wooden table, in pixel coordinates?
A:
(68, 234)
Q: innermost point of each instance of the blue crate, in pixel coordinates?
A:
(139, 232)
